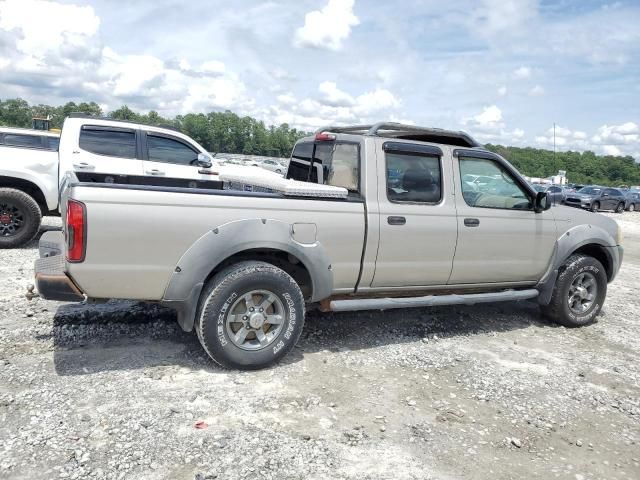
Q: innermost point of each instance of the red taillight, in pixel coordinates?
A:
(325, 137)
(76, 231)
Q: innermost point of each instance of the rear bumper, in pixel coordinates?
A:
(52, 281)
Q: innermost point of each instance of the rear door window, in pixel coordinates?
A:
(111, 142)
(413, 178)
(20, 140)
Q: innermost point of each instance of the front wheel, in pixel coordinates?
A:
(632, 207)
(250, 316)
(595, 206)
(620, 208)
(579, 292)
(20, 218)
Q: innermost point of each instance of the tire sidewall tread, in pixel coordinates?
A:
(558, 309)
(32, 213)
(220, 294)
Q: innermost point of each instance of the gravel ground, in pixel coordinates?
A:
(488, 392)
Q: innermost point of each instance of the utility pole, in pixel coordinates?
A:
(554, 145)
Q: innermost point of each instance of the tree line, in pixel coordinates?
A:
(230, 133)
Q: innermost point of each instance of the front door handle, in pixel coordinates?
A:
(396, 220)
(471, 222)
(155, 171)
(83, 166)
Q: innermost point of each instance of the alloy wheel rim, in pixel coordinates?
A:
(255, 320)
(11, 219)
(582, 293)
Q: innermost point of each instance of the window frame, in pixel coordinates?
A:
(412, 150)
(145, 134)
(108, 128)
(485, 155)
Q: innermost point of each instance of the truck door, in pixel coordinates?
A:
(500, 236)
(105, 151)
(170, 157)
(418, 226)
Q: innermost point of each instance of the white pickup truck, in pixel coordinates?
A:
(239, 267)
(98, 150)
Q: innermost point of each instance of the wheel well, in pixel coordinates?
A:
(284, 260)
(27, 187)
(597, 252)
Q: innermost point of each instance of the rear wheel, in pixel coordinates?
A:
(620, 207)
(632, 207)
(579, 292)
(251, 315)
(20, 218)
(595, 206)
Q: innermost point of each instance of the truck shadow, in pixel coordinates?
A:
(122, 335)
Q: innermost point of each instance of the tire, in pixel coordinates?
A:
(20, 218)
(562, 309)
(224, 300)
(631, 207)
(620, 207)
(595, 206)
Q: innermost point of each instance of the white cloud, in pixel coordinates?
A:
(47, 26)
(213, 66)
(286, 99)
(490, 116)
(502, 90)
(537, 91)
(376, 101)
(329, 27)
(611, 150)
(499, 17)
(522, 73)
(333, 96)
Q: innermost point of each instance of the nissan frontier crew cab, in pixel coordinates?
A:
(241, 267)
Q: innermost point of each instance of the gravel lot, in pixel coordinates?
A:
(487, 392)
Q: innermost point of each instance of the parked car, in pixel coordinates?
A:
(632, 200)
(596, 198)
(271, 165)
(98, 150)
(241, 267)
(556, 193)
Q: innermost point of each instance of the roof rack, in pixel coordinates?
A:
(408, 132)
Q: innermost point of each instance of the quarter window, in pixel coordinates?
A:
(110, 142)
(168, 150)
(498, 190)
(413, 178)
(18, 140)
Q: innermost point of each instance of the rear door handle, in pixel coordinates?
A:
(396, 220)
(83, 166)
(471, 222)
(155, 171)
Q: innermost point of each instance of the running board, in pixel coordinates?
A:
(431, 300)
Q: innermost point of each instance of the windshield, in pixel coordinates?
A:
(539, 188)
(590, 190)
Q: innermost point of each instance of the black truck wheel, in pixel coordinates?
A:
(620, 207)
(579, 292)
(20, 218)
(250, 315)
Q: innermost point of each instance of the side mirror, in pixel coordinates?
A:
(203, 161)
(542, 202)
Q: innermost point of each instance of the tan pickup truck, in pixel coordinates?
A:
(241, 267)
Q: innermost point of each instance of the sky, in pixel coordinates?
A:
(503, 70)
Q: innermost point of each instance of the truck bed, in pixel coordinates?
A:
(137, 235)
